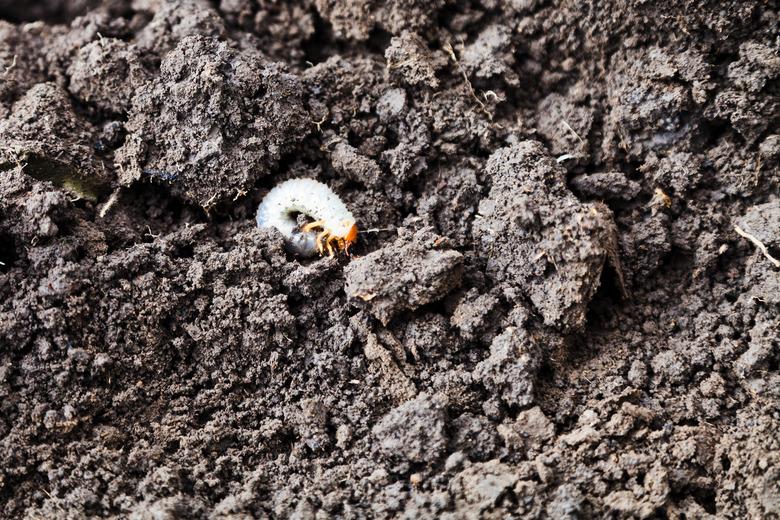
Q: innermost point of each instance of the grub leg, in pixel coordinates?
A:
(312, 225)
(320, 240)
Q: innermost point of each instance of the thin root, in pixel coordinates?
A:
(320, 122)
(449, 50)
(660, 198)
(375, 230)
(760, 245)
(392, 66)
(11, 66)
(209, 204)
(567, 125)
(109, 203)
(565, 157)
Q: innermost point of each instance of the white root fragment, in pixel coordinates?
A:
(565, 157)
(11, 66)
(567, 125)
(376, 230)
(109, 203)
(760, 245)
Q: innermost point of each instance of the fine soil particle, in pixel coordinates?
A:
(564, 300)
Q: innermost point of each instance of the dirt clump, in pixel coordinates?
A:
(235, 117)
(66, 157)
(414, 270)
(521, 236)
(107, 73)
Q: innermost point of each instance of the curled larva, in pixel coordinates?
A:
(333, 222)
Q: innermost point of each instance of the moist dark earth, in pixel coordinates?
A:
(549, 313)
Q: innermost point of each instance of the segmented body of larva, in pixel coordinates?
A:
(334, 222)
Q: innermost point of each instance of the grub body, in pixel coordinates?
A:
(316, 200)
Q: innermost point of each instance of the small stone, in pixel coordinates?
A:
(454, 461)
(610, 185)
(391, 104)
(637, 374)
(586, 434)
(343, 436)
(482, 485)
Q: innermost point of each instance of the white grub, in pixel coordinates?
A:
(334, 222)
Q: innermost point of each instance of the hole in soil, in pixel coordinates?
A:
(705, 497)
(725, 462)
(187, 484)
(259, 93)
(546, 372)
(509, 499)
(392, 138)
(711, 131)
(353, 139)
(379, 40)
(154, 205)
(172, 446)
(774, 251)
(607, 295)
(185, 251)
(7, 251)
(314, 49)
(59, 173)
(610, 283)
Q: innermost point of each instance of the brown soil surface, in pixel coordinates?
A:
(550, 315)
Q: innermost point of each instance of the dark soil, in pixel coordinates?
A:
(550, 312)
